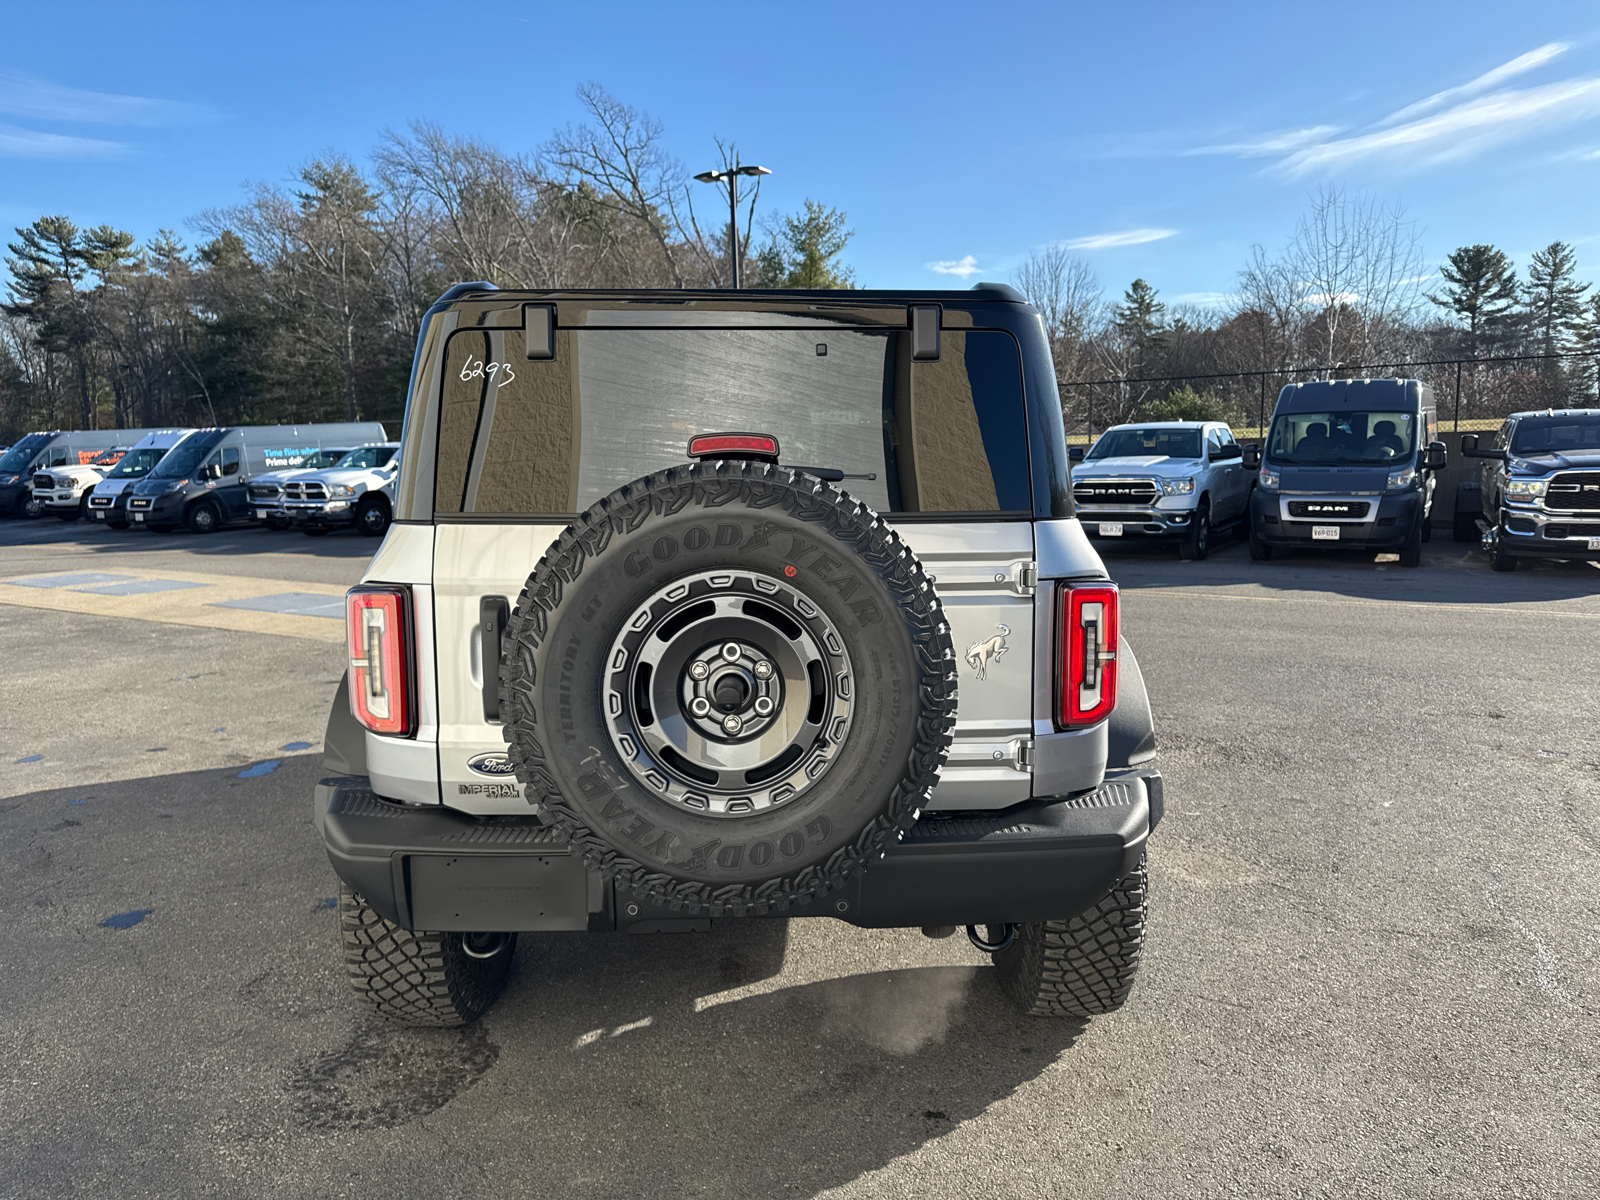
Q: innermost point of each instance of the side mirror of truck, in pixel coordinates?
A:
(1433, 457)
(1469, 449)
(1251, 455)
(1074, 453)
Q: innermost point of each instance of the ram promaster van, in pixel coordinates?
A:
(203, 482)
(718, 606)
(1348, 464)
(39, 452)
(108, 502)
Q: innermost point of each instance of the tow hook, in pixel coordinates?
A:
(1007, 934)
(484, 945)
(1491, 536)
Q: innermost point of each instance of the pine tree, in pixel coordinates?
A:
(1552, 297)
(1140, 318)
(49, 265)
(804, 251)
(1482, 291)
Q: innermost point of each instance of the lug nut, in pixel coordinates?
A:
(731, 723)
(763, 705)
(699, 706)
(763, 670)
(731, 651)
(699, 670)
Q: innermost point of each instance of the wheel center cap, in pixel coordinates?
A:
(732, 693)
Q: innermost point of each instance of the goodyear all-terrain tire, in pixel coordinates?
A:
(420, 978)
(1083, 967)
(731, 684)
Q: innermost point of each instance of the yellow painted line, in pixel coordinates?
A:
(1397, 603)
(187, 606)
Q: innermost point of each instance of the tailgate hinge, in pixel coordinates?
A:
(1022, 753)
(1024, 578)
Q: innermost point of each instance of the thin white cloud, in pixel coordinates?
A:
(1483, 83)
(964, 266)
(1201, 298)
(33, 99)
(1323, 299)
(1120, 237)
(1269, 144)
(16, 142)
(1458, 132)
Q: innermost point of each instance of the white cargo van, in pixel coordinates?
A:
(107, 501)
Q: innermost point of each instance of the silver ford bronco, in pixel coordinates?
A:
(709, 606)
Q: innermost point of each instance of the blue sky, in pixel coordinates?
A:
(1159, 140)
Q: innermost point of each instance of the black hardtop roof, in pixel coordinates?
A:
(1319, 393)
(981, 293)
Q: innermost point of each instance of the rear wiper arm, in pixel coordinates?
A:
(833, 474)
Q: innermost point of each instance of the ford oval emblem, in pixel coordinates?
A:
(492, 764)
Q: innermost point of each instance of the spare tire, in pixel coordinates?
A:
(731, 684)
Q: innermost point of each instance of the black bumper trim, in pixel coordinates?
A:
(438, 869)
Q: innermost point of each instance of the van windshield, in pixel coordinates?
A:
(1137, 443)
(1558, 435)
(180, 462)
(137, 463)
(20, 455)
(1343, 437)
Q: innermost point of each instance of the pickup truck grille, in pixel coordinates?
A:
(44, 482)
(1568, 490)
(265, 491)
(1121, 492)
(1347, 510)
(305, 491)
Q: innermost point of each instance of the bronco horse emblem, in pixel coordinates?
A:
(981, 654)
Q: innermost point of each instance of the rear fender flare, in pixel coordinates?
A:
(1131, 731)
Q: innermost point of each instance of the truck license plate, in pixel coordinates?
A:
(138, 516)
(1324, 533)
(261, 514)
(1110, 528)
(1594, 543)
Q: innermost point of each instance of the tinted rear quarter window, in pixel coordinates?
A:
(553, 436)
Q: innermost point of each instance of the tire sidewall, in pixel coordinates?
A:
(198, 518)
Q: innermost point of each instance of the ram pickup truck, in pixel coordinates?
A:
(718, 606)
(64, 491)
(1172, 480)
(1538, 492)
(266, 491)
(357, 490)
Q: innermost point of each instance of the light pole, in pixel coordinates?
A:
(731, 178)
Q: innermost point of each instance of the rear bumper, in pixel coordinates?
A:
(436, 869)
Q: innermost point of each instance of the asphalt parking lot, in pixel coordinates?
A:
(1373, 968)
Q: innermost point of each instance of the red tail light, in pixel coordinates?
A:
(1087, 636)
(377, 631)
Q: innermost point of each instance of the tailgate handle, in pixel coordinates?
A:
(493, 613)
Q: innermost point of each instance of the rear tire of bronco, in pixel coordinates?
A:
(1083, 967)
(413, 978)
(731, 684)
(1196, 544)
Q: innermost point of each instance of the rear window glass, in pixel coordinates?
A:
(554, 436)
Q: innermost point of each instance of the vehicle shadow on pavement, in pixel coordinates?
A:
(1451, 573)
(95, 538)
(615, 1065)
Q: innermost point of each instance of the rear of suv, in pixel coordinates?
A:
(700, 606)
